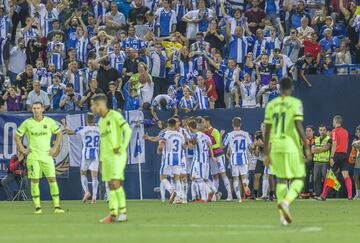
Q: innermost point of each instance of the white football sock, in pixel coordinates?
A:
(107, 190)
(162, 191)
(167, 185)
(265, 185)
(216, 183)
(237, 187)
(202, 186)
(178, 189)
(227, 186)
(193, 190)
(95, 185)
(84, 183)
(185, 186)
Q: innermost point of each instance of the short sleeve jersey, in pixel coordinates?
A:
(281, 113)
(111, 135)
(38, 134)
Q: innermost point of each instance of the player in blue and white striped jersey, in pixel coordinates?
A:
(187, 102)
(201, 144)
(90, 137)
(239, 142)
(172, 142)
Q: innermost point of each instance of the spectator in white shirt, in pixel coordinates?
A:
(37, 95)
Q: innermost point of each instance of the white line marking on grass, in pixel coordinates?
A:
(229, 226)
(311, 229)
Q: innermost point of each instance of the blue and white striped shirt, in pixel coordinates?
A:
(201, 149)
(187, 103)
(201, 98)
(81, 49)
(158, 60)
(117, 60)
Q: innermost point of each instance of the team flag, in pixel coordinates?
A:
(332, 181)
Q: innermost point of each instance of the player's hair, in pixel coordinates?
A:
(192, 124)
(207, 118)
(176, 117)
(310, 126)
(323, 125)
(358, 128)
(338, 119)
(286, 84)
(112, 83)
(99, 97)
(171, 122)
(37, 103)
(90, 117)
(163, 102)
(236, 122)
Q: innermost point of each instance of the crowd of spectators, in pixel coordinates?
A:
(161, 54)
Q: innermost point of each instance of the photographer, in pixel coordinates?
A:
(70, 101)
(16, 172)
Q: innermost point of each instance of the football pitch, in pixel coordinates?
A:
(152, 221)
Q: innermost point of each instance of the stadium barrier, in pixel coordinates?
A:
(330, 95)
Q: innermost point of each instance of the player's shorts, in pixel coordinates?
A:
(37, 168)
(200, 170)
(340, 162)
(259, 168)
(92, 165)
(189, 161)
(114, 169)
(165, 169)
(175, 169)
(219, 166)
(239, 170)
(287, 165)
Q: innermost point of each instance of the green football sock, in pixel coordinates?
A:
(35, 193)
(294, 190)
(121, 198)
(113, 203)
(54, 191)
(280, 192)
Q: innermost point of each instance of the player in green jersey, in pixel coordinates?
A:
(115, 134)
(284, 138)
(39, 130)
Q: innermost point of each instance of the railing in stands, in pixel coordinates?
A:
(349, 67)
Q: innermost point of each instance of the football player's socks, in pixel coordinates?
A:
(216, 183)
(201, 186)
(35, 193)
(113, 203)
(107, 189)
(227, 184)
(280, 192)
(121, 199)
(357, 193)
(172, 182)
(193, 190)
(167, 185)
(237, 187)
(162, 191)
(178, 188)
(185, 187)
(295, 188)
(265, 185)
(348, 185)
(325, 190)
(255, 193)
(95, 185)
(211, 186)
(84, 183)
(54, 191)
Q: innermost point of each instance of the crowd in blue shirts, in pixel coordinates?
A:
(192, 54)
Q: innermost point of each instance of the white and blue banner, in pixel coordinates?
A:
(136, 149)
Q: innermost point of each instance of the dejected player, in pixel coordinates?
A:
(39, 130)
(115, 134)
(282, 146)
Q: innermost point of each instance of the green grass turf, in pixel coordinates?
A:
(152, 221)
